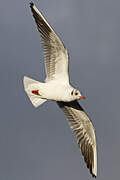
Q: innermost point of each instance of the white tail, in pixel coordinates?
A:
(29, 85)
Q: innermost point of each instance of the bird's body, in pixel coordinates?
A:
(52, 90)
(58, 88)
(58, 91)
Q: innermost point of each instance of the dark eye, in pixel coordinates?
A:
(72, 93)
(76, 93)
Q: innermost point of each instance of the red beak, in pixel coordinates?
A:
(82, 97)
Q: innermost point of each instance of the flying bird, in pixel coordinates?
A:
(57, 87)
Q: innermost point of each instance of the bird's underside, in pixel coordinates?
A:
(56, 64)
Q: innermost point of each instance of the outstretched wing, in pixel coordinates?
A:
(84, 132)
(56, 56)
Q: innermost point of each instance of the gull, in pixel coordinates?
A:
(57, 87)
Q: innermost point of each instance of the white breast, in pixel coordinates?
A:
(57, 91)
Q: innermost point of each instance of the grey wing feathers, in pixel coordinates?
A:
(56, 57)
(84, 132)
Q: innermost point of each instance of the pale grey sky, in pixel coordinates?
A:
(38, 143)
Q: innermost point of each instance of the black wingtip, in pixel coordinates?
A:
(94, 176)
(31, 4)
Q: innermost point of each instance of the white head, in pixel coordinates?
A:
(75, 93)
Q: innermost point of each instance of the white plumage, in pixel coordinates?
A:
(57, 87)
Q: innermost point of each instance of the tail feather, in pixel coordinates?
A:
(29, 86)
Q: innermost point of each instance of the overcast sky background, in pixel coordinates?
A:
(38, 143)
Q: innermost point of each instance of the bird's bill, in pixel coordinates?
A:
(82, 97)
